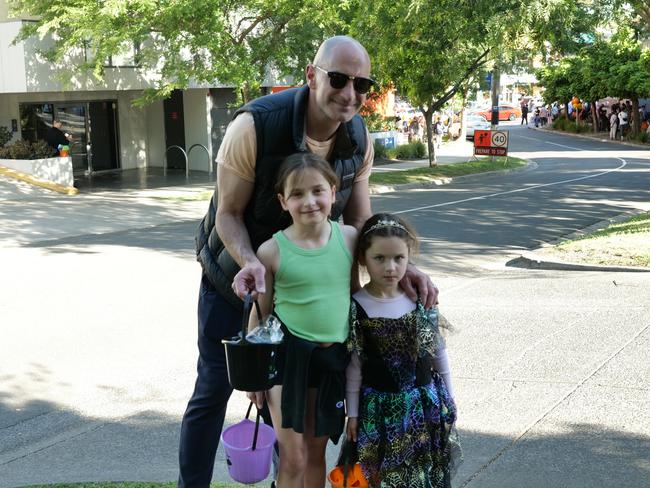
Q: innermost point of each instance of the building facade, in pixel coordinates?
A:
(108, 131)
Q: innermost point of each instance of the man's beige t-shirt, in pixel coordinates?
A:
(238, 151)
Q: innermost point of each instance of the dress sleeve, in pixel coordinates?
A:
(353, 385)
(355, 338)
(429, 337)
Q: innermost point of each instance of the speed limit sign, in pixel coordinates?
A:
(499, 138)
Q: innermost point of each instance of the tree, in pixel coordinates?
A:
(433, 50)
(557, 80)
(183, 41)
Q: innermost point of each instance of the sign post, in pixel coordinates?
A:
(491, 143)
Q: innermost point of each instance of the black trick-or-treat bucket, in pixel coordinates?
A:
(251, 365)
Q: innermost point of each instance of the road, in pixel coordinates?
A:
(551, 368)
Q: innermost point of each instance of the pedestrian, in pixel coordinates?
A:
(400, 402)
(524, 114)
(613, 123)
(543, 115)
(438, 131)
(555, 111)
(623, 121)
(319, 117)
(55, 137)
(308, 269)
(537, 117)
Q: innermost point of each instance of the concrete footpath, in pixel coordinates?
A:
(98, 351)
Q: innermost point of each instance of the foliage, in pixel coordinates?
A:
(569, 125)
(378, 123)
(642, 137)
(556, 80)
(412, 150)
(5, 135)
(380, 150)
(236, 43)
(616, 67)
(22, 149)
(433, 51)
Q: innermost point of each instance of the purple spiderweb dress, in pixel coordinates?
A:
(406, 437)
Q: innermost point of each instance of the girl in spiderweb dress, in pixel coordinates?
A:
(399, 396)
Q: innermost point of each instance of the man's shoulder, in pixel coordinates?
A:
(272, 102)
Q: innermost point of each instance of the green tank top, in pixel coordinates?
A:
(312, 288)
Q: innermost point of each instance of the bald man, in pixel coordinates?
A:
(320, 117)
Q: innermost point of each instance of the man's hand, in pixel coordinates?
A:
(257, 397)
(415, 283)
(351, 428)
(250, 279)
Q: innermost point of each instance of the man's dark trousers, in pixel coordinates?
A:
(206, 410)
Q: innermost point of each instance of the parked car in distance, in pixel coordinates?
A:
(506, 112)
(474, 122)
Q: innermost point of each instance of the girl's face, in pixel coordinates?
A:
(308, 197)
(386, 260)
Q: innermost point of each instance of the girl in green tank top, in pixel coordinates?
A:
(308, 268)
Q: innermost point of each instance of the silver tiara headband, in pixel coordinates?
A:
(383, 224)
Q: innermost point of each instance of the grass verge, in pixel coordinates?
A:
(625, 243)
(426, 175)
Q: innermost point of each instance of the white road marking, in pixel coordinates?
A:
(491, 195)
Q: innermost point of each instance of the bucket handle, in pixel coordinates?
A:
(248, 301)
(257, 423)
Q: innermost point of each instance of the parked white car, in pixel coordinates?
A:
(475, 122)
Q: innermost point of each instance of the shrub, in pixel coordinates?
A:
(5, 135)
(561, 123)
(643, 137)
(41, 149)
(380, 150)
(22, 149)
(412, 150)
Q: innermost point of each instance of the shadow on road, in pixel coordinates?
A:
(73, 448)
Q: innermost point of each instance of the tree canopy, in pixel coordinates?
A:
(183, 41)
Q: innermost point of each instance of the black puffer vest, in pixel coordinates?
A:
(280, 128)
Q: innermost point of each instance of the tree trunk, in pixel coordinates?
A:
(566, 110)
(636, 122)
(463, 128)
(431, 147)
(594, 116)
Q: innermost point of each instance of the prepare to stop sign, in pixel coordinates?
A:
(491, 142)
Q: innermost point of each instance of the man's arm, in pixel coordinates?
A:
(234, 193)
(356, 212)
(358, 209)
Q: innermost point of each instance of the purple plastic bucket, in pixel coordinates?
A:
(245, 464)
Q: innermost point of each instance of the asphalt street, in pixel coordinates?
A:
(551, 368)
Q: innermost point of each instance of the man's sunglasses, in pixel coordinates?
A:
(339, 80)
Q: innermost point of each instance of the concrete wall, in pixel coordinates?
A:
(12, 59)
(4, 11)
(134, 133)
(220, 114)
(198, 124)
(56, 170)
(155, 134)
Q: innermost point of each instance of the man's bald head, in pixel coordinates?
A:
(335, 45)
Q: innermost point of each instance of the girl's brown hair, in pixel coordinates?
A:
(299, 162)
(386, 225)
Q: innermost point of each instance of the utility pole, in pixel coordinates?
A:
(495, 85)
(496, 82)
